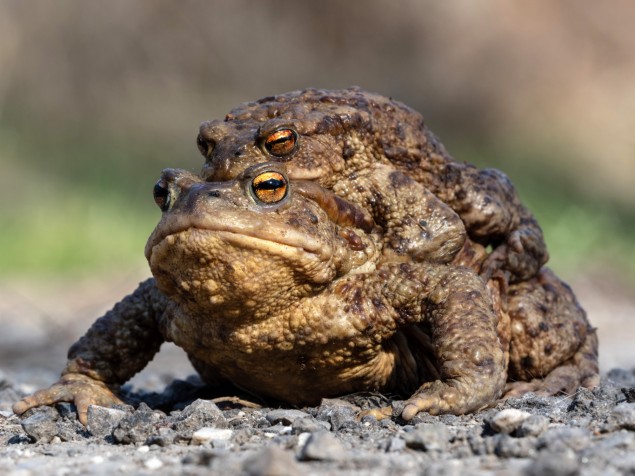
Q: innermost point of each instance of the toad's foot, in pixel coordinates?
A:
(579, 371)
(522, 254)
(439, 397)
(79, 389)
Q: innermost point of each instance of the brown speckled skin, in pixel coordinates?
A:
(309, 298)
(375, 151)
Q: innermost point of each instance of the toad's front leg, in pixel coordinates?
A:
(458, 316)
(116, 347)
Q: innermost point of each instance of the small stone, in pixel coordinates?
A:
(535, 425)
(207, 435)
(164, 437)
(271, 461)
(629, 393)
(153, 463)
(284, 416)
(137, 427)
(508, 420)
(621, 376)
(555, 439)
(339, 413)
(66, 410)
(395, 444)
(508, 447)
(428, 437)
(622, 416)
(199, 414)
(102, 421)
(323, 446)
(41, 426)
(554, 463)
(309, 425)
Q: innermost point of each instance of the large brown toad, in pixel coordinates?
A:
(288, 291)
(351, 141)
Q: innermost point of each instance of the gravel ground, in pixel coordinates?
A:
(590, 433)
(174, 429)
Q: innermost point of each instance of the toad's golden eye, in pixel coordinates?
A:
(281, 142)
(269, 187)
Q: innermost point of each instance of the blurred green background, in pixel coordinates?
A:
(97, 97)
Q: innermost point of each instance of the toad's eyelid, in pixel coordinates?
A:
(273, 125)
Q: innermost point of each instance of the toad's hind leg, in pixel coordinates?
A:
(553, 348)
(463, 326)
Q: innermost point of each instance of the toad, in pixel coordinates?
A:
(380, 155)
(286, 290)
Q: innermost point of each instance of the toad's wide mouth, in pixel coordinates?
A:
(247, 232)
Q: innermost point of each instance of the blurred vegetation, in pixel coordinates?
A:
(96, 99)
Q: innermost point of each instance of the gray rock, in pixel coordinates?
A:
(554, 463)
(339, 413)
(622, 376)
(67, 410)
(164, 437)
(323, 446)
(508, 420)
(509, 447)
(395, 444)
(201, 413)
(208, 435)
(428, 437)
(309, 425)
(563, 438)
(479, 445)
(284, 416)
(535, 425)
(102, 421)
(41, 425)
(271, 461)
(136, 428)
(622, 416)
(620, 440)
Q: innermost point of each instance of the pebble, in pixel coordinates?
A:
(428, 437)
(339, 413)
(164, 437)
(309, 425)
(508, 420)
(137, 427)
(508, 447)
(153, 463)
(41, 426)
(286, 417)
(622, 416)
(554, 463)
(201, 413)
(535, 425)
(208, 434)
(395, 444)
(563, 438)
(323, 446)
(271, 461)
(102, 421)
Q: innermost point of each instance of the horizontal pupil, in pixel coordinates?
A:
(271, 184)
(279, 140)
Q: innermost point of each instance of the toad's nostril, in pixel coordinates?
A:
(214, 193)
(161, 195)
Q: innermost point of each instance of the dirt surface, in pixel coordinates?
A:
(174, 429)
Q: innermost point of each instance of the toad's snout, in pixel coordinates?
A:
(179, 189)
